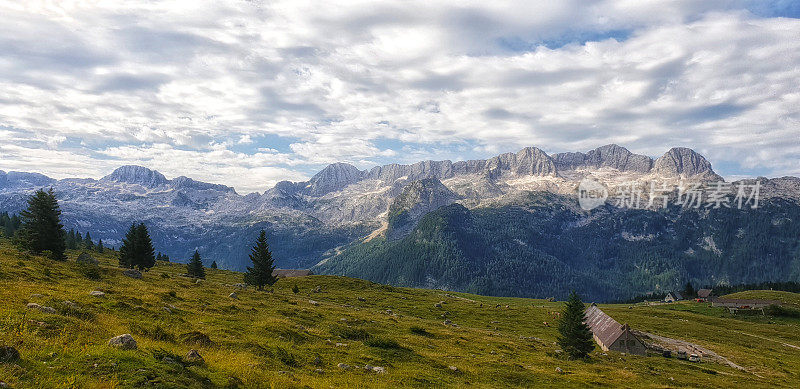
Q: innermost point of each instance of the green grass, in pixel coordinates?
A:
(787, 298)
(284, 340)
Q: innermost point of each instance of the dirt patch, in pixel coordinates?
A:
(662, 343)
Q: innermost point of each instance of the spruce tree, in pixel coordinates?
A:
(137, 248)
(72, 240)
(575, 337)
(688, 291)
(261, 272)
(41, 228)
(87, 242)
(146, 255)
(127, 251)
(100, 247)
(214, 265)
(195, 266)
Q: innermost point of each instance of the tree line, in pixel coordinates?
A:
(39, 230)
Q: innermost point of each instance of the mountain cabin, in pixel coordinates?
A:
(672, 297)
(611, 335)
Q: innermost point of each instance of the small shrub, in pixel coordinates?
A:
(155, 332)
(384, 343)
(89, 271)
(196, 338)
(164, 275)
(349, 333)
(286, 357)
(295, 289)
(47, 273)
(417, 330)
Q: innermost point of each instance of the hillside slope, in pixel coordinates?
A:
(285, 340)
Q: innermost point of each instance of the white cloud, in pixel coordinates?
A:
(193, 88)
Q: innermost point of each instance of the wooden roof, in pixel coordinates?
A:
(606, 329)
(704, 293)
(292, 273)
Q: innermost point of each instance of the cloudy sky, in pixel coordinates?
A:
(247, 93)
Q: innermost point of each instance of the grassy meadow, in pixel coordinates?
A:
(283, 339)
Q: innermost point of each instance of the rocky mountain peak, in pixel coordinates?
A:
(528, 161)
(417, 199)
(613, 156)
(335, 176)
(684, 161)
(132, 174)
(184, 182)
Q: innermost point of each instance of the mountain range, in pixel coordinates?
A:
(337, 221)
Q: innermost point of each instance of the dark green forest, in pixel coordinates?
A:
(542, 246)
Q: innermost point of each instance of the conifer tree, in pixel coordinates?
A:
(214, 265)
(137, 248)
(195, 266)
(72, 240)
(263, 266)
(575, 337)
(158, 256)
(41, 228)
(688, 291)
(100, 247)
(87, 242)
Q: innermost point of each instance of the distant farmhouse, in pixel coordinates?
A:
(611, 335)
(672, 297)
(288, 273)
(704, 294)
(734, 305)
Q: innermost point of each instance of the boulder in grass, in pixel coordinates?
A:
(8, 354)
(133, 273)
(87, 258)
(44, 309)
(97, 293)
(124, 342)
(194, 357)
(234, 296)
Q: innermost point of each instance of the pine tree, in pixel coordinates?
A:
(147, 256)
(137, 248)
(41, 228)
(127, 252)
(158, 257)
(214, 265)
(575, 336)
(72, 240)
(87, 242)
(100, 247)
(261, 272)
(688, 291)
(195, 266)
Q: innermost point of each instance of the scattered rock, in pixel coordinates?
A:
(124, 341)
(437, 305)
(8, 354)
(37, 296)
(234, 296)
(240, 286)
(97, 293)
(132, 273)
(44, 309)
(166, 309)
(448, 322)
(197, 281)
(194, 357)
(319, 371)
(70, 304)
(453, 368)
(559, 370)
(318, 289)
(362, 299)
(344, 366)
(379, 369)
(87, 258)
(312, 302)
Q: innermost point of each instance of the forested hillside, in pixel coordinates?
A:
(541, 246)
